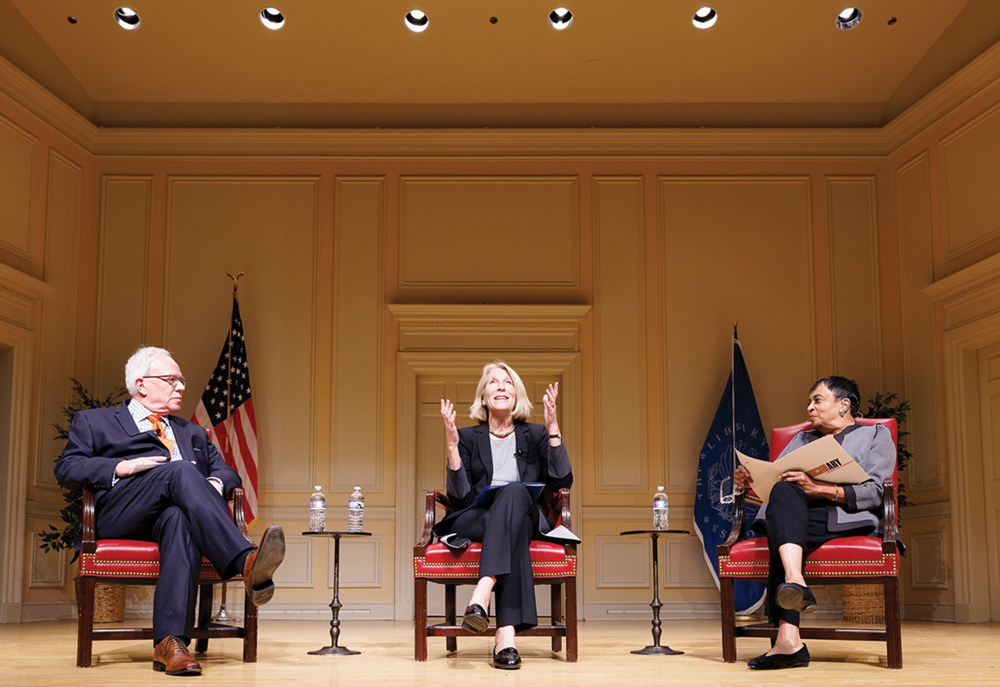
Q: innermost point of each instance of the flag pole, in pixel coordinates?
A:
(222, 616)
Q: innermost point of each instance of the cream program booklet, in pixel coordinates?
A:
(823, 460)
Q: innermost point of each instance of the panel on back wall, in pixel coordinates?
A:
(357, 351)
(733, 250)
(267, 228)
(913, 206)
(854, 288)
(488, 231)
(124, 274)
(17, 192)
(970, 171)
(620, 335)
(62, 219)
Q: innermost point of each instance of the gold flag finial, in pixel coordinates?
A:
(236, 280)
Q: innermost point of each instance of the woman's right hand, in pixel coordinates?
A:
(742, 477)
(450, 433)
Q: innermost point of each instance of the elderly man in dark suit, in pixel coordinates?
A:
(159, 478)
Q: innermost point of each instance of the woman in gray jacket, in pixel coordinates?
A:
(803, 513)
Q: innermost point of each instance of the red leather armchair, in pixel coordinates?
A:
(846, 560)
(551, 563)
(126, 561)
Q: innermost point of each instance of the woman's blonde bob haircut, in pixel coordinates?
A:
(522, 405)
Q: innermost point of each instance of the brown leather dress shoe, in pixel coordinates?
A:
(261, 564)
(171, 655)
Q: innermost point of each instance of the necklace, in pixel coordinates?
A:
(504, 435)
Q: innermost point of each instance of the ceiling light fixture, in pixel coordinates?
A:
(560, 18)
(127, 18)
(272, 18)
(849, 18)
(705, 18)
(416, 21)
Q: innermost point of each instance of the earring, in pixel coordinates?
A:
(842, 413)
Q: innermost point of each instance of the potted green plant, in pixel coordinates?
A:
(110, 598)
(863, 603)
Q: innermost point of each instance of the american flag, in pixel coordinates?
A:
(226, 411)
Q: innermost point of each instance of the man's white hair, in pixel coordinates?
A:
(138, 365)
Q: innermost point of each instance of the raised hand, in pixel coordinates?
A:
(549, 401)
(450, 433)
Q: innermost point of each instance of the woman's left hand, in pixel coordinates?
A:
(549, 401)
(805, 482)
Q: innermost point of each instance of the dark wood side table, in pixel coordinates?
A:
(655, 649)
(335, 605)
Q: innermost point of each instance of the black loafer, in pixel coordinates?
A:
(475, 619)
(795, 597)
(800, 659)
(507, 659)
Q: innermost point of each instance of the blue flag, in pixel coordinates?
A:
(737, 423)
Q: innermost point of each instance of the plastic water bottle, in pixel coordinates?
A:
(317, 511)
(661, 510)
(356, 511)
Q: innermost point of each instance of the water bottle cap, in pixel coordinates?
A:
(659, 488)
(316, 487)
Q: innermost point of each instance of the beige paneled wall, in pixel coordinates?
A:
(18, 179)
(734, 250)
(375, 284)
(43, 230)
(854, 273)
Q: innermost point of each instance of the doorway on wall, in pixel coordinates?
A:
(989, 404)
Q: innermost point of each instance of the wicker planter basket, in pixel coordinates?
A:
(109, 602)
(863, 603)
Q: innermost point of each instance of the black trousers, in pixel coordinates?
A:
(175, 506)
(505, 529)
(794, 518)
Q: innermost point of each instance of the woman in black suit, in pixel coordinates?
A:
(502, 451)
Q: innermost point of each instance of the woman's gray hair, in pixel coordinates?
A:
(522, 404)
(138, 365)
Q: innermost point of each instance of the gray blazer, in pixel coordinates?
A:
(872, 447)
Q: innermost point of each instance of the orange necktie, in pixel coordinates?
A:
(161, 434)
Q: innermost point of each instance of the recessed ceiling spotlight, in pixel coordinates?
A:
(127, 18)
(416, 21)
(705, 18)
(849, 18)
(272, 18)
(560, 18)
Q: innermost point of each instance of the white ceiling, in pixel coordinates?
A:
(353, 63)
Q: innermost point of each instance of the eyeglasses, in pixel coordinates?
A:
(172, 380)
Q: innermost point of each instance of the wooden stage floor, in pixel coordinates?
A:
(41, 654)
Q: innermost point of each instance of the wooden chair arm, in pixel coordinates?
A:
(564, 514)
(740, 514)
(427, 534)
(890, 531)
(89, 538)
(239, 515)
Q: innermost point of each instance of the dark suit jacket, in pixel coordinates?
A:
(537, 461)
(101, 437)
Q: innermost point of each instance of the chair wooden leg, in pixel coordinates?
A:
(557, 619)
(728, 620)
(893, 634)
(85, 622)
(419, 619)
(571, 644)
(249, 630)
(450, 615)
(204, 615)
